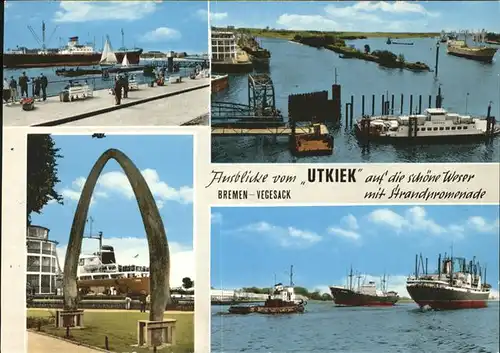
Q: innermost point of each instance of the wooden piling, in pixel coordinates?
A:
(402, 103)
(363, 105)
(346, 115)
(420, 104)
(411, 104)
(382, 104)
(373, 104)
(351, 110)
(392, 104)
(430, 101)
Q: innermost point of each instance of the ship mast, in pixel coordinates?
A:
(350, 279)
(123, 39)
(291, 276)
(90, 220)
(43, 36)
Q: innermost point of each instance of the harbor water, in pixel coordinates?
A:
(467, 87)
(57, 83)
(325, 328)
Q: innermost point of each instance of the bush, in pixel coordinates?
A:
(35, 322)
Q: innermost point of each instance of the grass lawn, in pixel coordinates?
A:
(121, 329)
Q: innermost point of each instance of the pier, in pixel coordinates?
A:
(170, 105)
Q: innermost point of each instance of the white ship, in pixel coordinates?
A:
(436, 124)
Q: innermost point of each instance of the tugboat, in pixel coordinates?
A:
(364, 295)
(281, 300)
(457, 284)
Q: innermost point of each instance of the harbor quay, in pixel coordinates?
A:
(170, 105)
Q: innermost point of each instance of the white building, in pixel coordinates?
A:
(42, 262)
(223, 46)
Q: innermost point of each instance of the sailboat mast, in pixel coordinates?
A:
(123, 39)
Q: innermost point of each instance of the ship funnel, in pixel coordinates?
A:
(108, 255)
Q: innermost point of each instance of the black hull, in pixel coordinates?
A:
(440, 298)
(485, 59)
(346, 297)
(230, 68)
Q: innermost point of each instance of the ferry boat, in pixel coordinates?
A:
(457, 284)
(364, 294)
(435, 125)
(99, 273)
(281, 300)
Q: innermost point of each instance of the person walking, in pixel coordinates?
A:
(23, 84)
(37, 83)
(148, 302)
(118, 91)
(13, 89)
(143, 302)
(125, 86)
(128, 300)
(44, 83)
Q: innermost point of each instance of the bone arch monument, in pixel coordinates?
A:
(159, 255)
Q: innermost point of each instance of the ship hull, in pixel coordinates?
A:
(219, 83)
(130, 286)
(346, 297)
(447, 298)
(484, 55)
(426, 139)
(49, 60)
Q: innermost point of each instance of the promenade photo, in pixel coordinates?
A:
(110, 260)
(105, 64)
(358, 82)
(355, 279)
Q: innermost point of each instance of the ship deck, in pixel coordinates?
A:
(170, 105)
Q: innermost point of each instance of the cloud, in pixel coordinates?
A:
(84, 11)
(214, 16)
(135, 251)
(284, 236)
(216, 218)
(494, 294)
(117, 183)
(348, 228)
(161, 34)
(362, 16)
(416, 219)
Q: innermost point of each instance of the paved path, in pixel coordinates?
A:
(168, 111)
(43, 344)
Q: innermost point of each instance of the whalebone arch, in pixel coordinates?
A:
(159, 255)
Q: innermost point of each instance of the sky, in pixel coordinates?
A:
(181, 26)
(250, 245)
(114, 209)
(361, 16)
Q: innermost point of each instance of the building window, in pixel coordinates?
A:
(453, 127)
(465, 127)
(429, 129)
(435, 129)
(459, 128)
(46, 264)
(447, 128)
(34, 247)
(34, 282)
(45, 284)
(33, 264)
(441, 128)
(47, 248)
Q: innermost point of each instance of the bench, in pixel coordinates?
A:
(175, 79)
(69, 318)
(76, 92)
(145, 329)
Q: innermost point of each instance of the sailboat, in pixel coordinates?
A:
(125, 62)
(108, 57)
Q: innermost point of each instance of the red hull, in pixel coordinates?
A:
(453, 304)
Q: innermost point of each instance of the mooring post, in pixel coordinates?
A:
(392, 104)
(438, 98)
(420, 104)
(430, 100)
(437, 60)
(351, 110)
(411, 104)
(363, 105)
(373, 104)
(346, 115)
(383, 105)
(402, 103)
(67, 331)
(106, 343)
(489, 127)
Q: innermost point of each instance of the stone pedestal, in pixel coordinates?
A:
(145, 329)
(69, 318)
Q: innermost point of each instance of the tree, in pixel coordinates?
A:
(367, 49)
(187, 283)
(42, 173)
(401, 58)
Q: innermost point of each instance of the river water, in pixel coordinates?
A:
(325, 328)
(467, 87)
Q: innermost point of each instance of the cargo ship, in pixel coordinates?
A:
(364, 294)
(73, 54)
(481, 52)
(457, 284)
(281, 300)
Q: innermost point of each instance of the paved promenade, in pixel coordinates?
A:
(43, 344)
(170, 105)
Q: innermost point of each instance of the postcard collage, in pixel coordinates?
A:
(258, 176)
